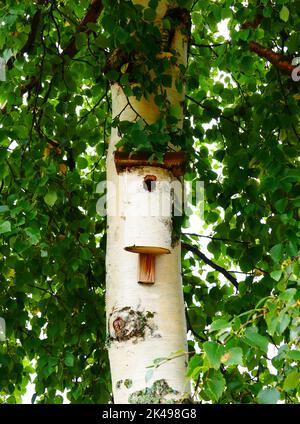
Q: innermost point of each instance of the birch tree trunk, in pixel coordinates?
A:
(145, 321)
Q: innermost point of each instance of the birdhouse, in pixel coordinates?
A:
(146, 209)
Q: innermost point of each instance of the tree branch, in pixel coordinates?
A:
(33, 31)
(209, 262)
(253, 24)
(31, 36)
(221, 116)
(91, 16)
(71, 49)
(276, 59)
(210, 45)
(216, 238)
(190, 327)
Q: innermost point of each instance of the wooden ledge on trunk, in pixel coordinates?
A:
(147, 255)
(173, 161)
(147, 250)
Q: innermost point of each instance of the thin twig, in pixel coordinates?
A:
(210, 45)
(221, 116)
(190, 327)
(216, 238)
(209, 262)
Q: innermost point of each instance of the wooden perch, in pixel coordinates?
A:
(173, 161)
(147, 257)
(148, 250)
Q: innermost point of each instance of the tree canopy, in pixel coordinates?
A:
(241, 130)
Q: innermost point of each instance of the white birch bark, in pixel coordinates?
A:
(145, 321)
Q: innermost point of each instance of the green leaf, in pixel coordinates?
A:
(291, 249)
(247, 64)
(288, 295)
(276, 252)
(149, 14)
(5, 227)
(268, 396)
(233, 356)
(213, 354)
(69, 359)
(215, 385)
(254, 339)
(219, 324)
(122, 35)
(284, 14)
(267, 12)
(33, 234)
(293, 46)
(293, 354)
(112, 75)
(82, 163)
(4, 208)
(167, 24)
(281, 204)
(292, 380)
(194, 362)
(11, 400)
(50, 198)
(80, 39)
(159, 100)
(276, 275)
(244, 34)
(284, 320)
(194, 365)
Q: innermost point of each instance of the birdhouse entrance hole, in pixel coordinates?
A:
(149, 182)
(147, 208)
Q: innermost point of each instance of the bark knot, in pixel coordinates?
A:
(119, 325)
(130, 324)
